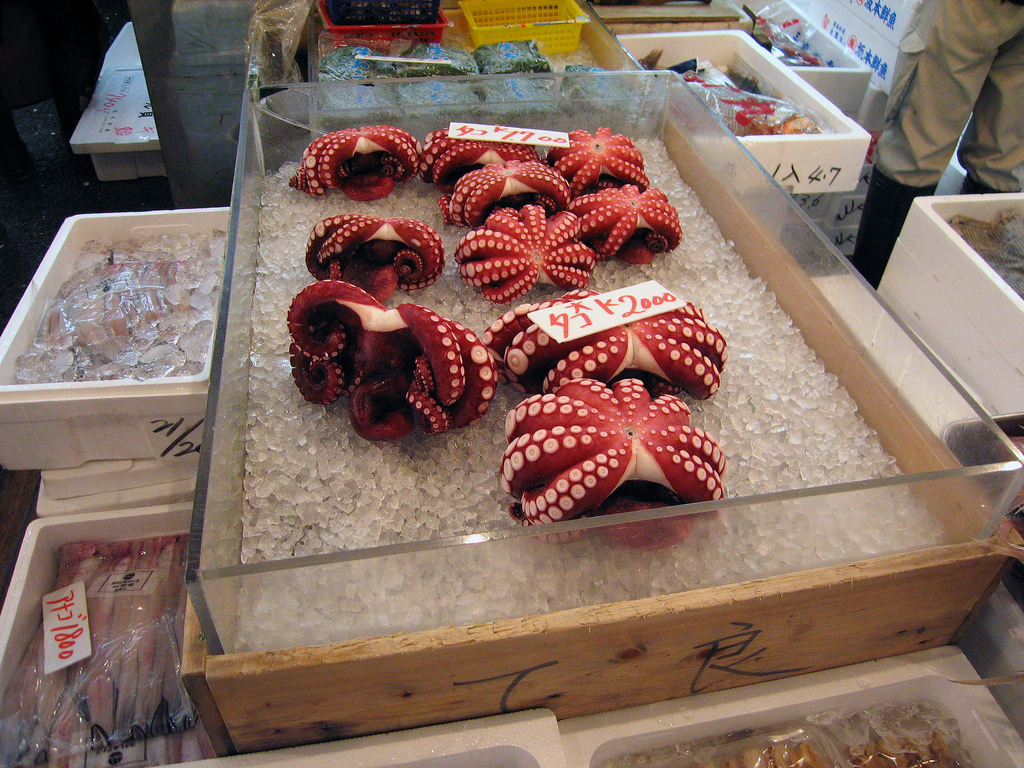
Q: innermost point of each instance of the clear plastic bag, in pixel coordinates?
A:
(124, 704)
(885, 735)
(134, 310)
(916, 735)
(746, 113)
(787, 33)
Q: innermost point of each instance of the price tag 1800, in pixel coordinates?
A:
(575, 319)
(65, 627)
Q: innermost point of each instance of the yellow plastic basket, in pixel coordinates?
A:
(554, 24)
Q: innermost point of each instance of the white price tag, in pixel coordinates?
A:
(575, 319)
(508, 135)
(66, 637)
(401, 59)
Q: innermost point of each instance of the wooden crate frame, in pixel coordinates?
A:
(610, 656)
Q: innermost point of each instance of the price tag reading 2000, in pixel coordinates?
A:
(575, 319)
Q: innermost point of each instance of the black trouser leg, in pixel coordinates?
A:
(972, 187)
(885, 209)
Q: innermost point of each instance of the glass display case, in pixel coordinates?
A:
(890, 463)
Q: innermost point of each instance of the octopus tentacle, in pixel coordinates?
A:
(377, 254)
(320, 314)
(602, 160)
(628, 223)
(320, 381)
(569, 450)
(446, 159)
(684, 349)
(364, 163)
(441, 349)
(511, 184)
(514, 250)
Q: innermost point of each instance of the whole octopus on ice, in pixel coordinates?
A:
(569, 450)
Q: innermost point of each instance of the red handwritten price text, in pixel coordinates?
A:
(574, 319)
(508, 135)
(66, 627)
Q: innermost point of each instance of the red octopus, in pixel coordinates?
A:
(514, 250)
(570, 450)
(446, 159)
(379, 255)
(397, 366)
(598, 161)
(364, 163)
(628, 223)
(674, 352)
(511, 184)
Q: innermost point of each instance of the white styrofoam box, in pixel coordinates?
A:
(844, 238)
(928, 676)
(959, 306)
(35, 570)
(123, 52)
(825, 162)
(121, 166)
(871, 40)
(98, 486)
(527, 739)
(116, 475)
(844, 79)
(50, 426)
(157, 495)
(844, 82)
(994, 644)
(817, 205)
(118, 129)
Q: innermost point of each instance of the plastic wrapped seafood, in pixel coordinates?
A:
(132, 310)
(746, 113)
(125, 703)
(879, 736)
(433, 60)
(509, 57)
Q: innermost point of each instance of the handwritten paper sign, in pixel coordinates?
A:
(508, 135)
(66, 637)
(574, 319)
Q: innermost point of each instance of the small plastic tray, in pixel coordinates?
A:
(554, 24)
(380, 11)
(381, 35)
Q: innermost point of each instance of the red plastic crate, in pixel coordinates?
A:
(381, 35)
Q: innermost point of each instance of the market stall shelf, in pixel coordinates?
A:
(412, 597)
(582, 40)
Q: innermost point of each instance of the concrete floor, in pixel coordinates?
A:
(62, 184)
